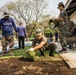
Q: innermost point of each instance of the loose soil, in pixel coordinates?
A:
(21, 66)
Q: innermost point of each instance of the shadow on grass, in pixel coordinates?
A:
(25, 59)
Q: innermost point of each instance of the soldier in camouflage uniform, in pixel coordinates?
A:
(62, 26)
(70, 25)
(41, 43)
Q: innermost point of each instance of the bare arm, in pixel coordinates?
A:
(39, 46)
(62, 16)
(58, 19)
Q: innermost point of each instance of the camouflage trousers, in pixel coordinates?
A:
(7, 40)
(63, 42)
(63, 35)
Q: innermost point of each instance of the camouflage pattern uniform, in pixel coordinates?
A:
(63, 29)
(6, 40)
(70, 25)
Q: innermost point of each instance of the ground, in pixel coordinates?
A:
(21, 65)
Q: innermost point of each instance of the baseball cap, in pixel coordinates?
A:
(60, 4)
(38, 31)
(6, 14)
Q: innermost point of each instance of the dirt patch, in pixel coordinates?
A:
(23, 66)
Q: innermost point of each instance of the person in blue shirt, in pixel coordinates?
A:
(7, 24)
(21, 35)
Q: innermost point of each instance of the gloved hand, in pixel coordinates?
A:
(31, 49)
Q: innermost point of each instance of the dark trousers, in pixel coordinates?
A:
(21, 42)
(50, 39)
(50, 47)
(56, 39)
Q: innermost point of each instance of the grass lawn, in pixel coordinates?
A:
(22, 53)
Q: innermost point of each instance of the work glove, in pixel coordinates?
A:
(31, 49)
(31, 53)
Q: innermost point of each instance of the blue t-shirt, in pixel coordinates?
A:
(7, 26)
(21, 31)
(56, 34)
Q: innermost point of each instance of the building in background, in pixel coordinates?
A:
(70, 7)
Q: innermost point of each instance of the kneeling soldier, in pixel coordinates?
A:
(40, 43)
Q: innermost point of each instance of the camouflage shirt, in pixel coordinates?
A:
(63, 24)
(63, 14)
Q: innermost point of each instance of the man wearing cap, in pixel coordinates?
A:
(7, 24)
(62, 26)
(40, 42)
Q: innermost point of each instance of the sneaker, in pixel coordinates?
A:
(70, 47)
(51, 55)
(62, 51)
(1, 54)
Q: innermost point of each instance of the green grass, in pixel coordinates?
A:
(22, 53)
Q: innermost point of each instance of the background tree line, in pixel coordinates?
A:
(31, 12)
